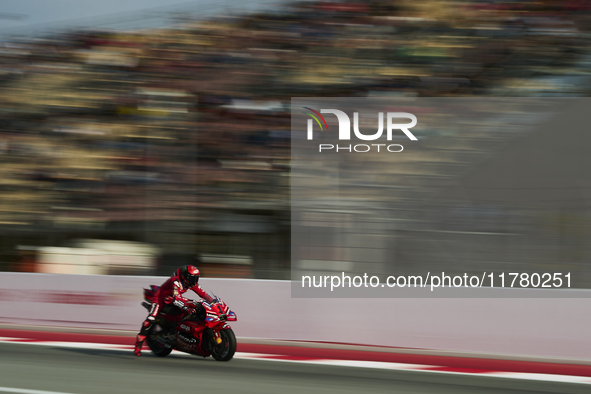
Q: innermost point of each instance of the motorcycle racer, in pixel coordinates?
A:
(184, 279)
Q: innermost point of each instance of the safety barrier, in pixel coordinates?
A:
(540, 327)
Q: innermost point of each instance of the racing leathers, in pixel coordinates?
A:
(171, 292)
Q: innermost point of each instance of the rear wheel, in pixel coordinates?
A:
(226, 349)
(155, 343)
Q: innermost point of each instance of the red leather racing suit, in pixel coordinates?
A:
(171, 292)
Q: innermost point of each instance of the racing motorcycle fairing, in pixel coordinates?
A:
(198, 331)
(190, 338)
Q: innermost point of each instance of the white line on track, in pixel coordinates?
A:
(423, 369)
(27, 391)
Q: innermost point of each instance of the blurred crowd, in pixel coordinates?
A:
(180, 137)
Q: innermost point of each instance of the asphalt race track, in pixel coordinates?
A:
(25, 368)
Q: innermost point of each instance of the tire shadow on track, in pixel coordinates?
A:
(111, 353)
(127, 354)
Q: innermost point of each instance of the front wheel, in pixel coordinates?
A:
(226, 349)
(154, 340)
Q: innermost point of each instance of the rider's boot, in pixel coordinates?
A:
(144, 331)
(139, 341)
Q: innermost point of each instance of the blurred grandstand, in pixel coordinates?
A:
(179, 136)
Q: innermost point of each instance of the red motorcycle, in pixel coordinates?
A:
(202, 331)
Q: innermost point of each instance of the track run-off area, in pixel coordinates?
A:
(78, 368)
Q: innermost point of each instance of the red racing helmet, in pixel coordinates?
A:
(190, 275)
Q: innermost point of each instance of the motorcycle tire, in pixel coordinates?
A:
(226, 349)
(156, 347)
